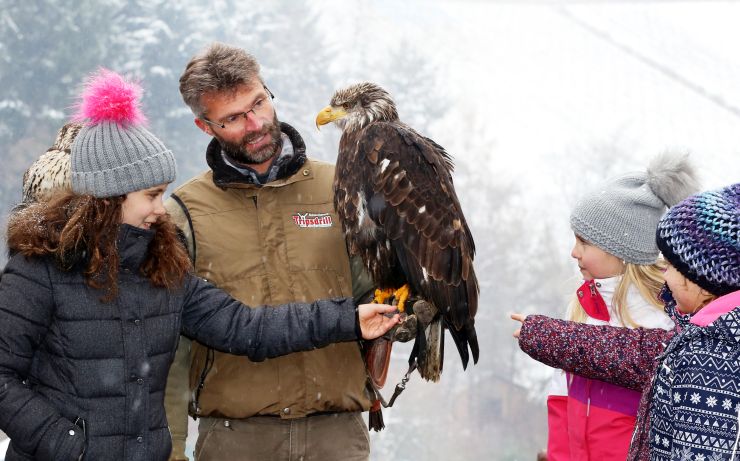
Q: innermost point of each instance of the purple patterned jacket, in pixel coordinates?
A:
(622, 356)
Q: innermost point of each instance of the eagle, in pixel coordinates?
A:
(395, 199)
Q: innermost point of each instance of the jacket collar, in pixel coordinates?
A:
(607, 287)
(133, 246)
(725, 325)
(716, 309)
(226, 176)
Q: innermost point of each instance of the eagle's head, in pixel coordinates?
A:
(356, 106)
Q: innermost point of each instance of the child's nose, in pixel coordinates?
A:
(160, 209)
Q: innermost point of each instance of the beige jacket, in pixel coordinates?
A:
(273, 244)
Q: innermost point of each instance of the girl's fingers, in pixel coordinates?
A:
(518, 317)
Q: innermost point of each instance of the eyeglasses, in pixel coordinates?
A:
(261, 107)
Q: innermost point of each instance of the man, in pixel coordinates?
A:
(261, 225)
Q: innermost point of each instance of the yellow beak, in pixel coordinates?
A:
(328, 114)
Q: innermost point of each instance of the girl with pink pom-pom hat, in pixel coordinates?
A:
(99, 288)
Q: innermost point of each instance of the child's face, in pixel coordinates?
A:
(143, 207)
(688, 295)
(594, 262)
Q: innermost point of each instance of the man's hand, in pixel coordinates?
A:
(373, 322)
(519, 318)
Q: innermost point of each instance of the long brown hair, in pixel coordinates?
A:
(80, 232)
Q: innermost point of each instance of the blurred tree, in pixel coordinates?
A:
(46, 48)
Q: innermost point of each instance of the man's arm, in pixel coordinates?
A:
(177, 392)
(621, 356)
(177, 398)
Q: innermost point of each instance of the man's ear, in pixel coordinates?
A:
(204, 127)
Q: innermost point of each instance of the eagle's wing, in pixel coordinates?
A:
(414, 201)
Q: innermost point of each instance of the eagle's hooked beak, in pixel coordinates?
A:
(328, 114)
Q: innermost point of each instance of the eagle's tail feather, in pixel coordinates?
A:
(462, 345)
(472, 340)
(430, 348)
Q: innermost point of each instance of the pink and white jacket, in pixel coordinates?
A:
(590, 419)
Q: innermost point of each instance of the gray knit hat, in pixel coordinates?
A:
(113, 154)
(621, 216)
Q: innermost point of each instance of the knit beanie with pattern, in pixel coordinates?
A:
(621, 216)
(700, 237)
(113, 154)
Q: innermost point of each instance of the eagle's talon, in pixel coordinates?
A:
(382, 296)
(405, 331)
(400, 296)
(425, 311)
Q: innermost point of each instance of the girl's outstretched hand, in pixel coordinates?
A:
(373, 322)
(519, 318)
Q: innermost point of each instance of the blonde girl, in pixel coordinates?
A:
(614, 229)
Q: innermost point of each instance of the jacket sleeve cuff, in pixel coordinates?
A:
(178, 449)
(358, 330)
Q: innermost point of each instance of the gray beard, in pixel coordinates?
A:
(239, 152)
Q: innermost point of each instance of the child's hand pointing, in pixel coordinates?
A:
(519, 318)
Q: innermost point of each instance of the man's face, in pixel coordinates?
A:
(251, 132)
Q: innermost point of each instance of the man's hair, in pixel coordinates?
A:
(218, 68)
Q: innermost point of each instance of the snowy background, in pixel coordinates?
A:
(536, 100)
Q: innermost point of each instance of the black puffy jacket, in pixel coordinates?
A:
(77, 374)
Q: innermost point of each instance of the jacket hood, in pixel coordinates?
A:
(716, 309)
(721, 321)
(225, 176)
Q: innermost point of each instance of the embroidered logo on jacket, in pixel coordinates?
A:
(312, 219)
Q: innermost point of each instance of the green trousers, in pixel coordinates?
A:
(326, 437)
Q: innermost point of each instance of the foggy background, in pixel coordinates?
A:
(537, 101)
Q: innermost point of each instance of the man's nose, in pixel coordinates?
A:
(252, 122)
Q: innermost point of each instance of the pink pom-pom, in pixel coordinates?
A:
(107, 96)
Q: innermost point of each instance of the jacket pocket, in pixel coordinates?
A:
(63, 441)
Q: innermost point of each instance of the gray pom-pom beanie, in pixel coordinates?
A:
(113, 154)
(621, 216)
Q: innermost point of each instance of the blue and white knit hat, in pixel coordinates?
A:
(700, 237)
